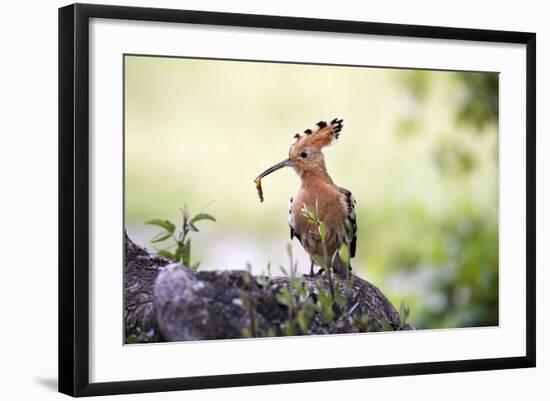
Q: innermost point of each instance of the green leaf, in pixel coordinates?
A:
(296, 283)
(319, 262)
(304, 320)
(325, 305)
(340, 300)
(289, 250)
(348, 231)
(202, 216)
(270, 332)
(132, 339)
(364, 323)
(167, 254)
(195, 266)
(281, 299)
(343, 252)
(247, 333)
(323, 231)
(166, 224)
(285, 273)
(327, 313)
(246, 302)
(288, 330)
(308, 214)
(179, 252)
(386, 326)
(161, 237)
(403, 313)
(284, 297)
(247, 279)
(186, 252)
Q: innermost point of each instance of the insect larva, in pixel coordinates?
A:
(258, 182)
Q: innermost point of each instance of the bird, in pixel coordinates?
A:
(332, 204)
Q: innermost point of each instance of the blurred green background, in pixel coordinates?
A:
(419, 150)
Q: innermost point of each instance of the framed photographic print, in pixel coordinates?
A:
(251, 199)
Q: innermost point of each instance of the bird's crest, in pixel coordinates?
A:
(321, 135)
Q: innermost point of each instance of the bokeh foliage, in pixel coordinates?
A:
(453, 253)
(419, 151)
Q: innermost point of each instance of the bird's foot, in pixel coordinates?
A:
(313, 274)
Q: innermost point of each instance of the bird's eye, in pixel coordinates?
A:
(303, 155)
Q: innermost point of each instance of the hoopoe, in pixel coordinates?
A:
(334, 205)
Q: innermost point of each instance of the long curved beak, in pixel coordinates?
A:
(284, 163)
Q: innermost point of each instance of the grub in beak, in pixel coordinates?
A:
(258, 180)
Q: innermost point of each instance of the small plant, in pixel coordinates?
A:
(300, 307)
(316, 303)
(326, 262)
(140, 336)
(312, 304)
(181, 241)
(404, 312)
(249, 304)
(364, 323)
(303, 304)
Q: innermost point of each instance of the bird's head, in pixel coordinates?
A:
(305, 154)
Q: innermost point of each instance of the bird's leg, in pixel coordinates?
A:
(319, 272)
(312, 272)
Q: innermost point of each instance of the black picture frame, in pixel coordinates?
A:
(74, 198)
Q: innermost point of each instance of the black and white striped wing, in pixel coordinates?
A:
(351, 221)
(291, 222)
